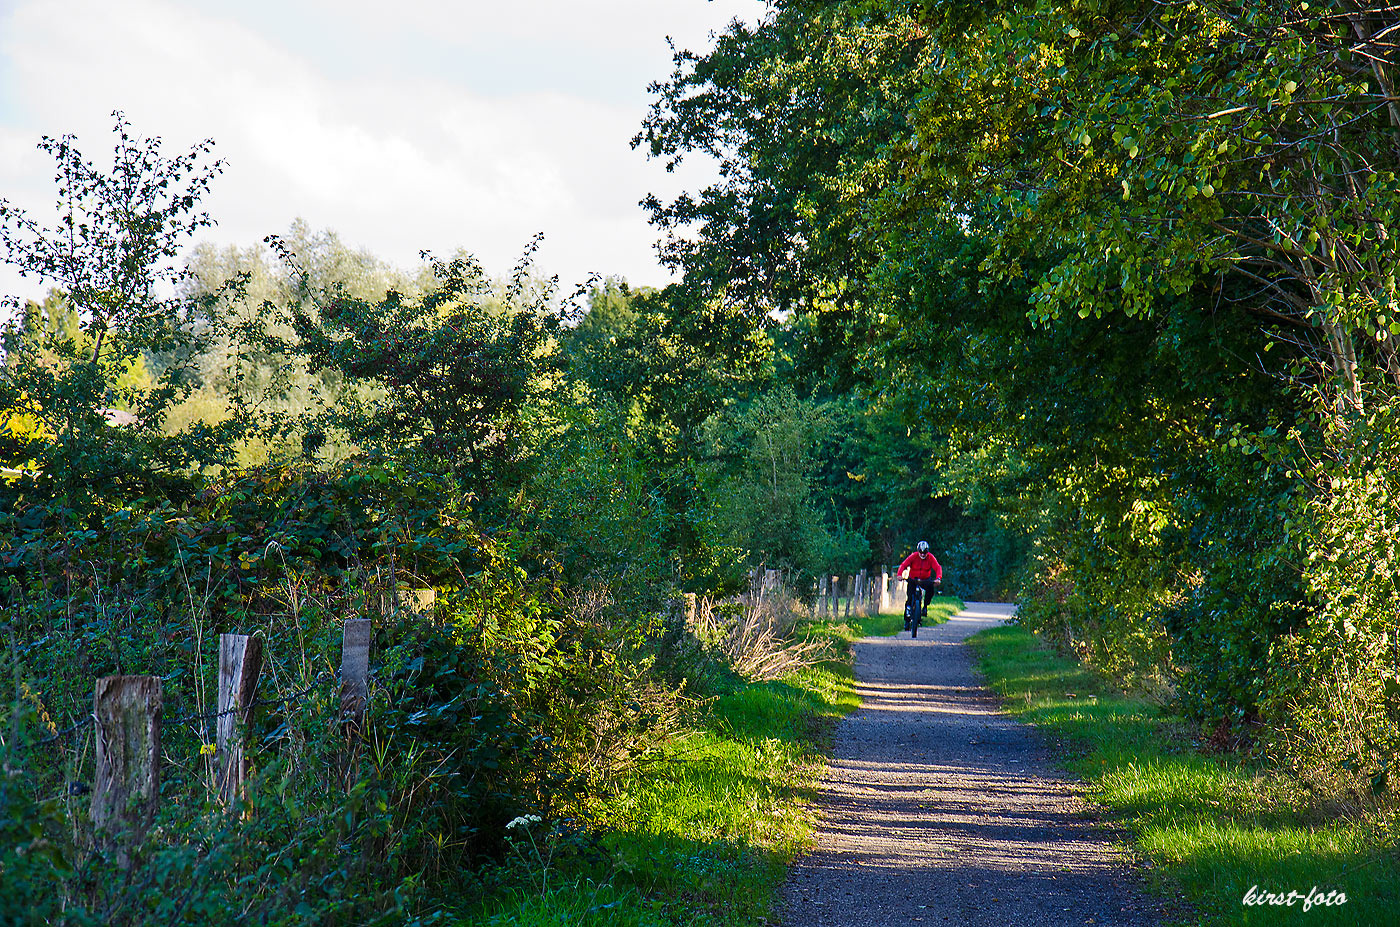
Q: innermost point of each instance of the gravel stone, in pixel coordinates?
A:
(938, 808)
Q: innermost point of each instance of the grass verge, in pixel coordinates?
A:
(702, 836)
(1210, 827)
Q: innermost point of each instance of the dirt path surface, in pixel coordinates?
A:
(939, 809)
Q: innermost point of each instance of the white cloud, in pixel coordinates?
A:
(401, 128)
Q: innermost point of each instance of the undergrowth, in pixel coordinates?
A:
(702, 834)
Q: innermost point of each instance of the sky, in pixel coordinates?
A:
(402, 126)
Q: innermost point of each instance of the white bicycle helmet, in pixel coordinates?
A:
(922, 547)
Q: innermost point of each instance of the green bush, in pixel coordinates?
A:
(1334, 687)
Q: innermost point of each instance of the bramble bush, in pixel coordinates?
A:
(505, 698)
(1334, 692)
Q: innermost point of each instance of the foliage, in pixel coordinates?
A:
(1335, 686)
(799, 110)
(411, 432)
(237, 376)
(111, 256)
(1118, 272)
(1151, 148)
(759, 466)
(446, 373)
(700, 833)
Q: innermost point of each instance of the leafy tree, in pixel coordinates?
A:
(894, 173)
(112, 255)
(800, 110)
(238, 375)
(1153, 147)
(446, 374)
(760, 468)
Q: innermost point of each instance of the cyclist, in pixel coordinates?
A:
(923, 571)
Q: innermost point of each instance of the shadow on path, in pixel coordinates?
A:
(937, 808)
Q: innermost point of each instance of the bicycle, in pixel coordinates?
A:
(914, 609)
(914, 606)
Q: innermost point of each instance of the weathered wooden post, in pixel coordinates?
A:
(240, 663)
(354, 689)
(126, 785)
(354, 673)
(885, 589)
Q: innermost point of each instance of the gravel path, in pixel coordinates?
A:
(938, 808)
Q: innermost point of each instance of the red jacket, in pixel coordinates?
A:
(921, 566)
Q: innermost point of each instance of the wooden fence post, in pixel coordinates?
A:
(354, 690)
(885, 589)
(240, 663)
(354, 673)
(126, 785)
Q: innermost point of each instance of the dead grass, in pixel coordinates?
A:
(756, 634)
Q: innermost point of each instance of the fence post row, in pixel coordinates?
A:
(126, 711)
(240, 664)
(126, 785)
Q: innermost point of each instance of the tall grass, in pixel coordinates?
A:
(757, 635)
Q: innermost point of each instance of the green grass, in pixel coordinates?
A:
(703, 835)
(1209, 826)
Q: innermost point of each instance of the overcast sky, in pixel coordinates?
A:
(402, 125)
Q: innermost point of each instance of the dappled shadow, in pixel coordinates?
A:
(939, 807)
